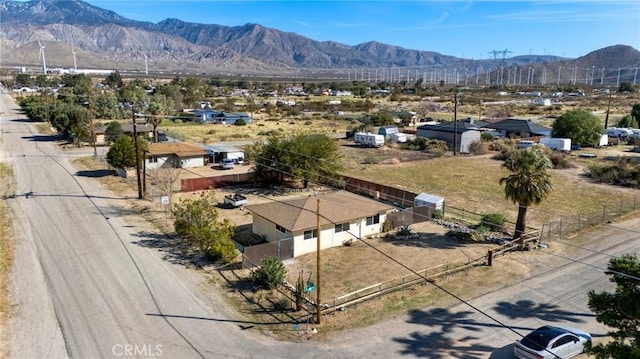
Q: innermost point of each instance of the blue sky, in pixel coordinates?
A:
(469, 29)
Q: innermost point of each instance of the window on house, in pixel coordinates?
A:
(153, 159)
(281, 228)
(373, 220)
(341, 227)
(311, 234)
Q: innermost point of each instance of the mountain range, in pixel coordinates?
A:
(100, 38)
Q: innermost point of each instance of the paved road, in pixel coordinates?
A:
(555, 294)
(98, 292)
(84, 288)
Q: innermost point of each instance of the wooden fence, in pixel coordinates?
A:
(204, 183)
(282, 249)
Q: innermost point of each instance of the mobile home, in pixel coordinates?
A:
(369, 139)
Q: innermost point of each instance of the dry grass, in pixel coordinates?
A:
(6, 256)
(346, 269)
(261, 125)
(257, 307)
(471, 183)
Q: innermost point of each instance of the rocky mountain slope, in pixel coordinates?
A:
(102, 38)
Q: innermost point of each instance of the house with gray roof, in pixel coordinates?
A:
(343, 216)
(519, 128)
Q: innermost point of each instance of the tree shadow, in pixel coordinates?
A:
(444, 322)
(42, 138)
(96, 173)
(437, 345)
(244, 287)
(425, 240)
(118, 211)
(176, 250)
(544, 311)
(506, 352)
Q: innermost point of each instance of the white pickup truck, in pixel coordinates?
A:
(235, 200)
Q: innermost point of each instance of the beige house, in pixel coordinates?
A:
(343, 216)
(175, 155)
(127, 128)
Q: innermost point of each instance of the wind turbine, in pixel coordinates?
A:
(75, 64)
(41, 54)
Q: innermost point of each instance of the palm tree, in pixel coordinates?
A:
(529, 183)
(157, 111)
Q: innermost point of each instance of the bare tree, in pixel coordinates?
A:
(163, 179)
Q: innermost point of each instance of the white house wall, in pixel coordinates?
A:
(159, 164)
(170, 162)
(192, 162)
(266, 228)
(328, 237)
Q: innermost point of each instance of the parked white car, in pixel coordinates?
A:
(523, 145)
(552, 342)
(227, 163)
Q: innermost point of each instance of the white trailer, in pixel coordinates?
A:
(369, 139)
(558, 144)
(604, 140)
(619, 132)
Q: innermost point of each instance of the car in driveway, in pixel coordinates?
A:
(552, 342)
(227, 164)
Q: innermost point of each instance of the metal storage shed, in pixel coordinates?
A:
(432, 203)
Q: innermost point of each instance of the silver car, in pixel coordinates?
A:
(552, 342)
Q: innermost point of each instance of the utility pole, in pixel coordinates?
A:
(93, 132)
(606, 119)
(318, 286)
(455, 123)
(135, 147)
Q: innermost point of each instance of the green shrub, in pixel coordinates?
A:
(493, 221)
(404, 231)
(371, 159)
(436, 152)
(282, 304)
(212, 132)
(239, 122)
(222, 250)
(485, 136)
(271, 273)
(438, 214)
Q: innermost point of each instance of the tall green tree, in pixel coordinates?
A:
(626, 87)
(635, 112)
(192, 90)
(305, 156)
(619, 310)
(198, 221)
(579, 125)
(122, 153)
(113, 131)
(113, 80)
(69, 119)
(529, 183)
(105, 106)
(628, 121)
